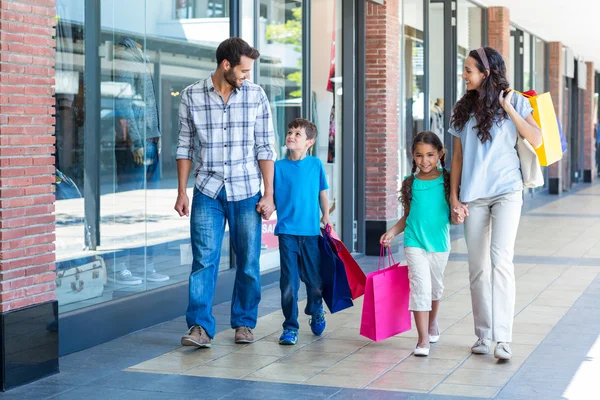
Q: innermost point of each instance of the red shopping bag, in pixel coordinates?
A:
(385, 308)
(356, 277)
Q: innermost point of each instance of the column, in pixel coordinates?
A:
(27, 223)
(382, 119)
(556, 87)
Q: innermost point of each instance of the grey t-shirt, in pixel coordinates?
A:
(491, 168)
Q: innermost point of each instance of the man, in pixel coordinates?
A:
(231, 119)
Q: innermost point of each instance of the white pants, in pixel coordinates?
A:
(426, 276)
(490, 233)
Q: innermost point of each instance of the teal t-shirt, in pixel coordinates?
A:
(428, 222)
(297, 186)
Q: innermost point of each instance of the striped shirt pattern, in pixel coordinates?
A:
(231, 138)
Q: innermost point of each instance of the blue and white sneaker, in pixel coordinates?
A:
(289, 337)
(317, 322)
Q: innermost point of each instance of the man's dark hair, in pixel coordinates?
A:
(309, 127)
(233, 49)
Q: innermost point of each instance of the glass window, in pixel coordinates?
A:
(511, 65)
(187, 9)
(413, 80)
(326, 96)
(146, 62)
(437, 72)
(468, 30)
(527, 67)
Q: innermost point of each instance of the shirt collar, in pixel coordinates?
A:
(211, 86)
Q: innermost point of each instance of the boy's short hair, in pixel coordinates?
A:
(309, 127)
(233, 49)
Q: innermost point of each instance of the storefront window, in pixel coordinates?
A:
(413, 79)
(187, 9)
(469, 31)
(279, 72)
(145, 63)
(326, 96)
(527, 67)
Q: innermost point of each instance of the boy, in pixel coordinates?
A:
(300, 188)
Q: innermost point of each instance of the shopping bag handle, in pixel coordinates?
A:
(327, 234)
(381, 260)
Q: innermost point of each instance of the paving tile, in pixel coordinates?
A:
(125, 380)
(426, 364)
(368, 353)
(466, 390)
(407, 381)
(211, 388)
(286, 372)
(235, 359)
(483, 377)
(311, 358)
(210, 371)
(488, 362)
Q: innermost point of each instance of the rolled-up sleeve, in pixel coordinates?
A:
(185, 144)
(264, 137)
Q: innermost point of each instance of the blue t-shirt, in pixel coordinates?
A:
(297, 186)
(492, 168)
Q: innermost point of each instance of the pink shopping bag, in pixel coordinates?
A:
(385, 308)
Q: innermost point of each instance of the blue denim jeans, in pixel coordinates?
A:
(207, 230)
(300, 259)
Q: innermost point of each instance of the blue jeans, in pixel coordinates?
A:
(207, 230)
(300, 260)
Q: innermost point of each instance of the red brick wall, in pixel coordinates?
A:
(382, 109)
(589, 158)
(27, 222)
(499, 31)
(556, 81)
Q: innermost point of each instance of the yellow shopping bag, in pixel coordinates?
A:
(543, 112)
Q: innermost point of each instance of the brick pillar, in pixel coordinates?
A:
(382, 119)
(556, 81)
(589, 158)
(499, 31)
(27, 223)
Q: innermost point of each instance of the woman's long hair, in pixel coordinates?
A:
(432, 139)
(483, 104)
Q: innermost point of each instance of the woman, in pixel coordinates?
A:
(485, 165)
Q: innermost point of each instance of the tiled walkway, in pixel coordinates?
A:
(556, 341)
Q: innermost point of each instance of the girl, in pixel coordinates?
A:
(485, 164)
(426, 227)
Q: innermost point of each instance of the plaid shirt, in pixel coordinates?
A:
(232, 137)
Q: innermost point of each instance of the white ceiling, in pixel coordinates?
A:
(575, 23)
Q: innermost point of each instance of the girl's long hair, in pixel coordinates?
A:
(484, 103)
(432, 139)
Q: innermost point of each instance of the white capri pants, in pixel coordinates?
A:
(490, 233)
(426, 276)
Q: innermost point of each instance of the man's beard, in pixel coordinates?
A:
(230, 78)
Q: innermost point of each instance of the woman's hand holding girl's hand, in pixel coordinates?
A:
(459, 212)
(506, 101)
(386, 238)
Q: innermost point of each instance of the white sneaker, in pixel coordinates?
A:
(502, 351)
(126, 278)
(421, 351)
(153, 276)
(481, 346)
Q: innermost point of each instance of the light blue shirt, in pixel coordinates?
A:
(492, 168)
(297, 186)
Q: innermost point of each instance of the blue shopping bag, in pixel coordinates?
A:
(336, 290)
